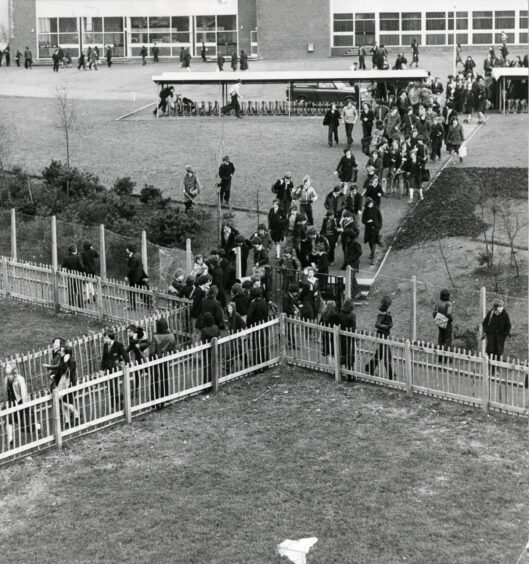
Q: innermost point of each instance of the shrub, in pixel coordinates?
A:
(123, 187)
(150, 194)
(170, 227)
(73, 182)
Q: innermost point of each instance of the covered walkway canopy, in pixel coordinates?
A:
(224, 79)
(501, 75)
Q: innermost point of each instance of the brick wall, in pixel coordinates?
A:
(247, 22)
(286, 27)
(24, 26)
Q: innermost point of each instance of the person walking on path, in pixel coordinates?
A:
(163, 343)
(383, 325)
(113, 358)
(155, 53)
(347, 321)
(143, 55)
(306, 194)
(244, 61)
(65, 378)
(226, 172)
(455, 138)
(73, 263)
(187, 60)
(459, 55)
(277, 223)
(28, 58)
(332, 121)
(56, 60)
(349, 116)
(18, 57)
(192, 187)
(443, 318)
(203, 52)
(109, 56)
(372, 220)
(414, 53)
(235, 94)
(362, 58)
(136, 275)
(347, 169)
(7, 55)
(234, 61)
(496, 328)
(282, 189)
(220, 62)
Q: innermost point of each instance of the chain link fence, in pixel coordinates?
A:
(34, 244)
(467, 311)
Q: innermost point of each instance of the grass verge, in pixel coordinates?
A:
(375, 475)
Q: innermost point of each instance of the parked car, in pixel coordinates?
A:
(339, 92)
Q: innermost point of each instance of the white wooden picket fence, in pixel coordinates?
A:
(89, 295)
(99, 400)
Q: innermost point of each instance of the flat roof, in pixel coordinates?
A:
(512, 72)
(184, 77)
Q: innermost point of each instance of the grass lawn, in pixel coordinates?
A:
(375, 475)
(26, 327)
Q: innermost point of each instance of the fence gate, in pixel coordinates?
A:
(331, 287)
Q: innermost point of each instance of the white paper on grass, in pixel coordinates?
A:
(296, 550)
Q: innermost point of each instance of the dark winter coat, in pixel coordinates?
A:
(372, 219)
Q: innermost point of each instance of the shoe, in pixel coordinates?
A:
(422, 197)
(330, 144)
(372, 261)
(460, 159)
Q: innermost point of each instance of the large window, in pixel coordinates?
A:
(411, 21)
(389, 21)
(170, 33)
(218, 34)
(504, 20)
(523, 19)
(482, 20)
(364, 29)
(435, 21)
(343, 28)
(343, 22)
(55, 32)
(461, 21)
(103, 32)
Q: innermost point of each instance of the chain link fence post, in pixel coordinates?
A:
(13, 234)
(102, 253)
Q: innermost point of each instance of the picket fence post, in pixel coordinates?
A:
(13, 234)
(214, 365)
(337, 353)
(56, 415)
(144, 256)
(5, 276)
(485, 376)
(348, 281)
(127, 399)
(189, 257)
(413, 310)
(99, 298)
(483, 313)
(409, 368)
(283, 337)
(102, 252)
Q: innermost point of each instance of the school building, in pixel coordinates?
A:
(269, 29)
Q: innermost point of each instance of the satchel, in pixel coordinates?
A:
(462, 151)
(425, 175)
(441, 320)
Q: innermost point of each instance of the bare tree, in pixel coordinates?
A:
(511, 224)
(66, 121)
